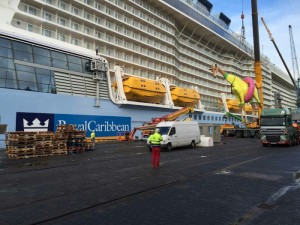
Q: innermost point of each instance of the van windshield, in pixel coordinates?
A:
(164, 130)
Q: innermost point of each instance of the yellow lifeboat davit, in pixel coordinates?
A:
(143, 90)
(184, 96)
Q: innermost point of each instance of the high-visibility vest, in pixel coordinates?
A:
(155, 139)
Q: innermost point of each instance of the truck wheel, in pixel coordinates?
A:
(193, 144)
(247, 133)
(169, 147)
(257, 134)
(297, 140)
(225, 133)
(265, 145)
(238, 133)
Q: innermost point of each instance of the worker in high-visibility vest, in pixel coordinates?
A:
(93, 135)
(155, 140)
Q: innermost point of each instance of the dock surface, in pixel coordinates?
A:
(235, 182)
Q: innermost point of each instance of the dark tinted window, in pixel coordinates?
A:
(22, 47)
(41, 51)
(23, 56)
(5, 43)
(6, 63)
(86, 66)
(74, 59)
(28, 86)
(8, 83)
(43, 71)
(25, 76)
(58, 55)
(75, 67)
(42, 60)
(6, 52)
(59, 64)
(25, 68)
(7, 74)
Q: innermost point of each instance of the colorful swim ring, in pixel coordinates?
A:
(251, 87)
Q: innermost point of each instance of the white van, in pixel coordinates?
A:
(178, 133)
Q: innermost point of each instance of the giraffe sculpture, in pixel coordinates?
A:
(244, 90)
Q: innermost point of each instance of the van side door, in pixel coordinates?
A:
(173, 139)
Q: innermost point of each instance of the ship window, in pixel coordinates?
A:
(28, 86)
(6, 63)
(26, 76)
(86, 66)
(208, 117)
(41, 56)
(75, 67)
(8, 83)
(62, 5)
(47, 16)
(5, 43)
(7, 74)
(42, 60)
(74, 59)
(199, 117)
(43, 71)
(204, 117)
(21, 47)
(41, 51)
(6, 52)
(23, 56)
(58, 55)
(59, 60)
(195, 117)
(32, 10)
(59, 64)
(25, 68)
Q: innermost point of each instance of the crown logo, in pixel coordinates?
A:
(36, 125)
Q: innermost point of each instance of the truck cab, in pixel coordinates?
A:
(276, 127)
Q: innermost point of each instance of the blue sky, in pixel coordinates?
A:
(278, 15)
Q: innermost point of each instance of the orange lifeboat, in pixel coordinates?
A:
(143, 90)
(234, 107)
(184, 96)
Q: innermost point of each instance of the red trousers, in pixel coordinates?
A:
(155, 156)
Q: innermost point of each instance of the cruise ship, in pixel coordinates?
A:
(67, 62)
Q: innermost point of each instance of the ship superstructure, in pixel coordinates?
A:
(47, 46)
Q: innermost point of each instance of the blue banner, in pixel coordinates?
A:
(104, 126)
(34, 122)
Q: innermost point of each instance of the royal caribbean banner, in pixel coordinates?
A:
(104, 126)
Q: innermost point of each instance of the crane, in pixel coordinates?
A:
(295, 64)
(154, 121)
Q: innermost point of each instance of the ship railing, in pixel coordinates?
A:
(213, 23)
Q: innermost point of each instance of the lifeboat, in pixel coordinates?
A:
(234, 107)
(143, 90)
(184, 96)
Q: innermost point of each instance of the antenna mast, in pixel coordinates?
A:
(243, 37)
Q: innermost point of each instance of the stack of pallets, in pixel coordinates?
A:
(76, 141)
(60, 141)
(44, 143)
(28, 144)
(67, 139)
(90, 146)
